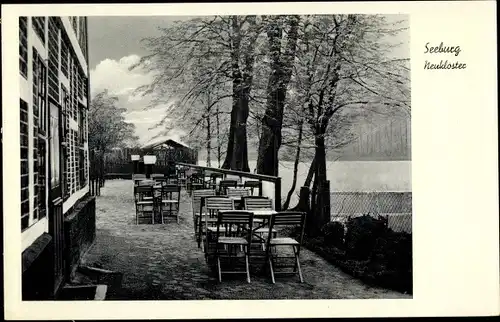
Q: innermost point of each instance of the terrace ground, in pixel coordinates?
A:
(163, 262)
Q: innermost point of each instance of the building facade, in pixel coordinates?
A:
(54, 98)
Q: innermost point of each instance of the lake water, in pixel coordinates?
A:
(352, 176)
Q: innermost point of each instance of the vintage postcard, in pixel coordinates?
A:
(250, 160)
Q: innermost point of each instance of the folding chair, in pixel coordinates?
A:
(169, 201)
(196, 182)
(252, 184)
(144, 203)
(181, 172)
(161, 180)
(251, 203)
(196, 206)
(224, 184)
(237, 192)
(208, 218)
(285, 218)
(213, 179)
(234, 228)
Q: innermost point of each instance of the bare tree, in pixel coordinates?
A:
(282, 61)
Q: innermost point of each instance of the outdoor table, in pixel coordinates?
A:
(237, 202)
(265, 215)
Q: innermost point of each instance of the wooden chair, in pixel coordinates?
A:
(196, 182)
(181, 176)
(213, 179)
(169, 202)
(257, 202)
(285, 218)
(251, 184)
(208, 218)
(237, 192)
(224, 184)
(251, 203)
(144, 203)
(196, 206)
(234, 228)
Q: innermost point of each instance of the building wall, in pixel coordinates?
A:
(52, 44)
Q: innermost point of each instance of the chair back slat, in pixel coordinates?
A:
(171, 188)
(227, 217)
(254, 203)
(197, 194)
(237, 192)
(236, 222)
(288, 218)
(196, 198)
(224, 184)
(251, 184)
(219, 203)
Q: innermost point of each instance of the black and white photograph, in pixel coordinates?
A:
(216, 157)
(259, 156)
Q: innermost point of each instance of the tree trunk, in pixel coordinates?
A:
(319, 196)
(281, 72)
(310, 173)
(209, 141)
(295, 168)
(237, 148)
(217, 123)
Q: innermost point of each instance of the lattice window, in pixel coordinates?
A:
(42, 178)
(23, 46)
(24, 128)
(82, 36)
(74, 23)
(64, 139)
(53, 59)
(39, 132)
(64, 57)
(39, 27)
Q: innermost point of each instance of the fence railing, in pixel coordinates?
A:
(273, 191)
(395, 206)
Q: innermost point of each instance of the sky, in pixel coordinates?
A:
(115, 45)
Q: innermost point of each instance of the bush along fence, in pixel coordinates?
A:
(396, 207)
(366, 246)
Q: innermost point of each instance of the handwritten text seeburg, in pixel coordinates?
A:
(443, 64)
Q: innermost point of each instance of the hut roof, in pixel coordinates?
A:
(165, 142)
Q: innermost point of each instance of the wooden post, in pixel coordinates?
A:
(326, 203)
(260, 188)
(277, 194)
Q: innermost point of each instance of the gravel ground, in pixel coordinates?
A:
(163, 262)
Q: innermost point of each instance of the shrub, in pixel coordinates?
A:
(394, 249)
(333, 232)
(362, 233)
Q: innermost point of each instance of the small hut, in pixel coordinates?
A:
(168, 151)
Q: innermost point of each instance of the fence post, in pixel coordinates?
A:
(260, 188)
(277, 194)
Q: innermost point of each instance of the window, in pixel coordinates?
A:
(65, 139)
(42, 177)
(39, 93)
(82, 139)
(55, 176)
(74, 22)
(82, 35)
(39, 27)
(53, 46)
(23, 46)
(25, 209)
(64, 57)
(39, 135)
